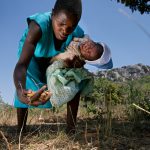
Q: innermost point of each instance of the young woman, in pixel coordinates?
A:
(47, 35)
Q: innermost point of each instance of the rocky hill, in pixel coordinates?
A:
(124, 73)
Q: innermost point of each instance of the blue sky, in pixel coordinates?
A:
(104, 20)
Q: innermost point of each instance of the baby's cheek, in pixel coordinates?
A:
(92, 52)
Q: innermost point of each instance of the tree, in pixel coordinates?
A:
(1, 99)
(143, 6)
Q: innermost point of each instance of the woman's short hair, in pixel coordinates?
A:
(72, 6)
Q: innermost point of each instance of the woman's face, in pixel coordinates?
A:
(63, 24)
(89, 50)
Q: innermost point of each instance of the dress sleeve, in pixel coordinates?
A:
(105, 61)
(78, 32)
(41, 19)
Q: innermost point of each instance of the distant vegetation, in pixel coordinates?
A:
(1, 100)
(108, 93)
(121, 86)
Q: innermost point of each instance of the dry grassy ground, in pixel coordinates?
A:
(93, 132)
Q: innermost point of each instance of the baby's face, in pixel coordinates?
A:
(89, 50)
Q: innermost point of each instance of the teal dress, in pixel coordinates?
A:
(45, 48)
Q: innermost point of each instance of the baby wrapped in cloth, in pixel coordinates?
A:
(64, 82)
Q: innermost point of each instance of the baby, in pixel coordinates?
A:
(80, 50)
(66, 75)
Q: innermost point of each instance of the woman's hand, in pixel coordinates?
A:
(63, 56)
(70, 59)
(34, 98)
(44, 97)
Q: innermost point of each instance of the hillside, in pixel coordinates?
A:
(125, 73)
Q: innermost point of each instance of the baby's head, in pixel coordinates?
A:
(90, 50)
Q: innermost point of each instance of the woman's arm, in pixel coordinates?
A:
(70, 60)
(33, 36)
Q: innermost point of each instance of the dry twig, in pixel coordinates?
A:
(5, 139)
(138, 107)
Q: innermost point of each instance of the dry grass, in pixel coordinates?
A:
(48, 133)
